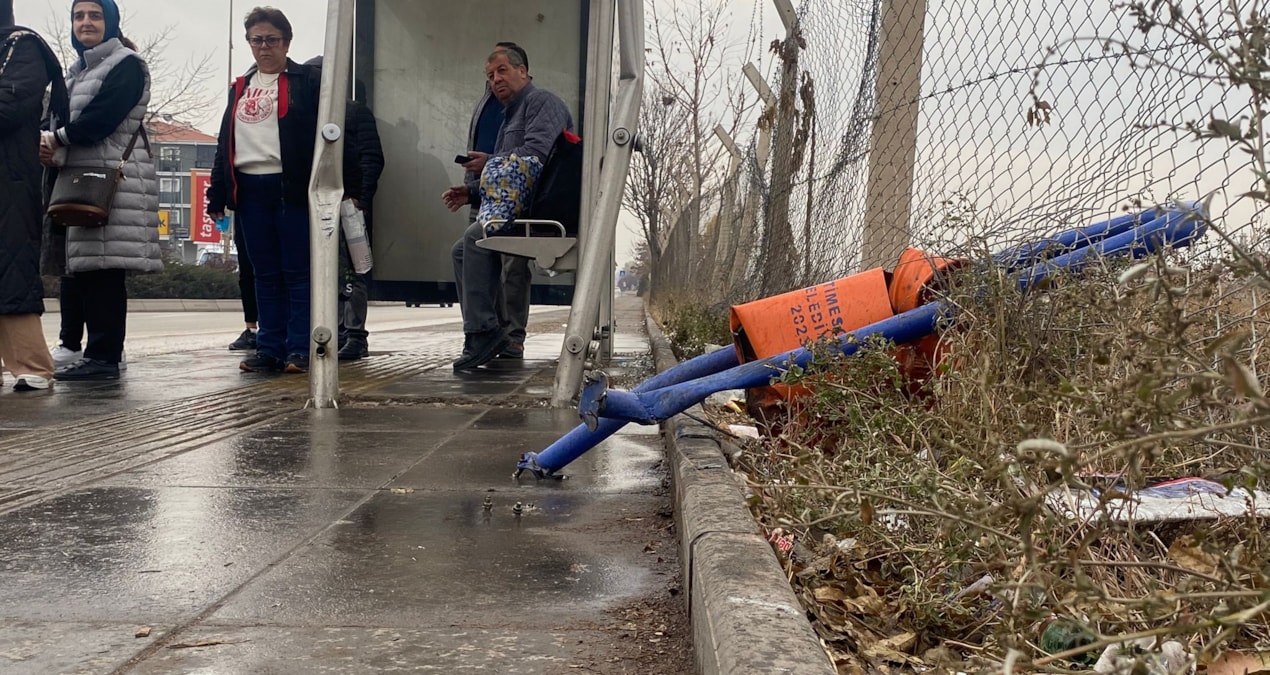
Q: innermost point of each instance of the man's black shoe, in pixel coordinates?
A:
(245, 342)
(88, 370)
(353, 350)
(513, 350)
(261, 363)
(481, 349)
(297, 364)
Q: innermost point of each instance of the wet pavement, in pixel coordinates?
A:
(190, 518)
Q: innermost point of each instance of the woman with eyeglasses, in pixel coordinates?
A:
(263, 160)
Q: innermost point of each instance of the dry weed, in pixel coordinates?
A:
(917, 530)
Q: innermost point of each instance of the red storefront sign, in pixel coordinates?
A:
(202, 227)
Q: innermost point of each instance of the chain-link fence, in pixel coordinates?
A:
(1018, 120)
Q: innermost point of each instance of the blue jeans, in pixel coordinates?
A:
(277, 238)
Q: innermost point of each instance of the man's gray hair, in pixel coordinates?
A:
(513, 57)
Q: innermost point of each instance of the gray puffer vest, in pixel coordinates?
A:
(130, 238)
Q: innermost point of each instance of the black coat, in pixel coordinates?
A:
(363, 153)
(297, 131)
(29, 70)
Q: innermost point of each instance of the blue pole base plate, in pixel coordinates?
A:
(529, 462)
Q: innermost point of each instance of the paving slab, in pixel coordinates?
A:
(553, 420)
(623, 463)
(418, 420)
(69, 648)
(307, 458)
(149, 555)
(427, 558)
(285, 650)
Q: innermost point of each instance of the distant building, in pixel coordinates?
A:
(181, 151)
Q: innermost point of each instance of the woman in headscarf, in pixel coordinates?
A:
(109, 88)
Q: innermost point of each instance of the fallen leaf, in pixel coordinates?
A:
(142, 632)
(866, 512)
(1238, 663)
(869, 604)
(1186, 553)
(892, 649)
(829, 594)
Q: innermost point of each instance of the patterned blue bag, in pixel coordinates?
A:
(506, 186)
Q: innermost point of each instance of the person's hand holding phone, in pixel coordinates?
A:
(475, 162)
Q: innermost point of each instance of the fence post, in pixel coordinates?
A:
(762, 150)
(893, 149)
(778, 238)
(726, 222)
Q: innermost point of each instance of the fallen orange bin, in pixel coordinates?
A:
(792, 320)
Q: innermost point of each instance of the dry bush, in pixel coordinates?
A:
(691, 326)
(920, 527)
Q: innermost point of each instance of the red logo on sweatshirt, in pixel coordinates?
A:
(256, 106)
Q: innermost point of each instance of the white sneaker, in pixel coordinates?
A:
(31, 383)
(63, 357)
(123, 361)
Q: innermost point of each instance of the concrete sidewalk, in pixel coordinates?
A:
(190, 518)
(53, 305)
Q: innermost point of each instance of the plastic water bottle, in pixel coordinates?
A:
(354, 225)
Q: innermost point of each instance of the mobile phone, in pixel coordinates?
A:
(462, 159)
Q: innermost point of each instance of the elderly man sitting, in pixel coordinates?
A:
(533, 119)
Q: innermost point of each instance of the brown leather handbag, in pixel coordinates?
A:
(83, 197)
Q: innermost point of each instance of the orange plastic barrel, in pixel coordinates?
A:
(791, 320)
(913, 276)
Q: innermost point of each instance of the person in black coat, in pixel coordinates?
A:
(27, 68)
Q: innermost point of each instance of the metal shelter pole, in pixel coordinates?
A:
(326, 190)
(594, 266)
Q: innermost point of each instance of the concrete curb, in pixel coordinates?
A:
(745, 618)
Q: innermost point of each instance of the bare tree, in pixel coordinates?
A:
(178, 91)
(659, 180)
(695, 64)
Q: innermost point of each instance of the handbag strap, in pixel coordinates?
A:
(132, 144)
(10, 45)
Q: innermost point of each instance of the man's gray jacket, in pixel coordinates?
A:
(532, 122)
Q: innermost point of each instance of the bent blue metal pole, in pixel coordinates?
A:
(601, 407)
(1176, 228)
(1064, 242)
(586, 436)
(651, 407)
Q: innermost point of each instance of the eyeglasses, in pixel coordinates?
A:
(258, 41)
